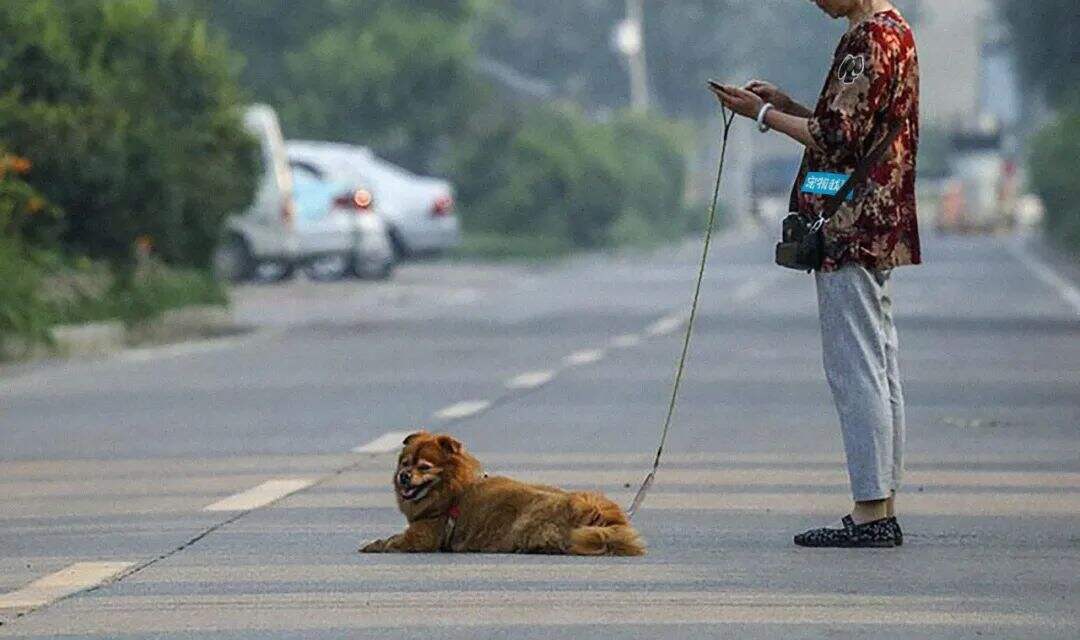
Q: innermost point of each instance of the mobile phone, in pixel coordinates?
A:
(716, 85)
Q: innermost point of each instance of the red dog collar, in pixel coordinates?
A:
(455, 512)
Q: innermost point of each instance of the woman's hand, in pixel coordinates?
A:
(740, 101)
(770, 93)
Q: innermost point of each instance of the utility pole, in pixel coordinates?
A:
(629, 40)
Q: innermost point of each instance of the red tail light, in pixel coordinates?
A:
(360, 201)
(444, 206)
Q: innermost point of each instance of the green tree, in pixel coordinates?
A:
(1046, 43)
(130, 114)
(688, 42)
(394, 75)
(1055, 160)
(1044, 38)
(549, 172)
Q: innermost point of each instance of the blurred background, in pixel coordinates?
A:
(152, 150)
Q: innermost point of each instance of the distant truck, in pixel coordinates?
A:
(981, 196)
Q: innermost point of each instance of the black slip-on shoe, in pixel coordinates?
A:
(877, 534)
(898, 533)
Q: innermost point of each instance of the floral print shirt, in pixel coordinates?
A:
(873, 85)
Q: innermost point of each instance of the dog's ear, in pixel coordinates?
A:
(413, 436)
(450, 444)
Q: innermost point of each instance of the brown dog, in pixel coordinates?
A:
(452, 506)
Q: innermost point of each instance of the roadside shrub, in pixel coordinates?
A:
(1055, 163)
(24, 213)
(550, 172)
(24, 316)
(394, 75)
(130, 114)
(653, 165)
(92, 295)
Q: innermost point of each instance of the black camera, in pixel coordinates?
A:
(802, 244)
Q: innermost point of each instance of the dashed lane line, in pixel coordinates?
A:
(532, 380)
(261, 495)
(461, 410)
(68, 581)
(628, 341)
(668, 324)
(584, 357)
(748, 290)
(535, 379)
(386, 443)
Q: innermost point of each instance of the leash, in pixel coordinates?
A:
(728, 118)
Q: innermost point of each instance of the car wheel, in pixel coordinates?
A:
(272, 271)
(233, 261)
(401, 251)
(383, 271)
(327, 268)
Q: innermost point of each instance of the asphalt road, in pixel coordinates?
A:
(139, 495)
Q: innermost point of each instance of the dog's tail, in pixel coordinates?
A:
(603, 529)
(619, 540)
(594, 510)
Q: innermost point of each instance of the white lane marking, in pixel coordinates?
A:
(584, 357)
(386, 443)
(626, 342)
(1043, 272)
(261, 495)
(462, 410)
(73, 579)
(532, 380)
(748, 290)
(668, 325)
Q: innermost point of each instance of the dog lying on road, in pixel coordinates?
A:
(452, 506)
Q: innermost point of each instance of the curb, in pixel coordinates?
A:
(88, 340)
(102, 339)
(178, 325)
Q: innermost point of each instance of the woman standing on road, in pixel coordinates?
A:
(872, 87)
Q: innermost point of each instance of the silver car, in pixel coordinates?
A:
(340, 232)
(419, 211)
(300, 219)
(264, 234)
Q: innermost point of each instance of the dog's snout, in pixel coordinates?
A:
(403, 478)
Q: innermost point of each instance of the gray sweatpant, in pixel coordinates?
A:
(859, 345)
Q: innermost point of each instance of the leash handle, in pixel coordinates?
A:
(728, 120)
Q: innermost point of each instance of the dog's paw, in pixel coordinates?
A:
(378, 546)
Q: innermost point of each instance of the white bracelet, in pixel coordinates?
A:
(762, 127)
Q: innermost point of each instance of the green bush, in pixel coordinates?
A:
(152, 290)
(394, 75)
(130, 114)
(497, 246)
(41, 289)
(1055, 163)
(552, 173)
(24, 213)
(24, 317)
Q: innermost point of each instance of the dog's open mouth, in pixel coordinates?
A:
(414, 493)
